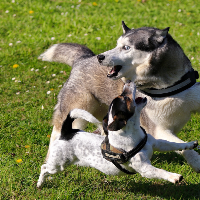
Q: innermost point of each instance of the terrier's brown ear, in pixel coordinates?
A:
(117, 124)
(105, 124)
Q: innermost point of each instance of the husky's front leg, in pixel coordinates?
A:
(142, 165)
(54, 135)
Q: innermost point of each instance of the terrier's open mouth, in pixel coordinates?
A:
(140, 100)
(114, 71)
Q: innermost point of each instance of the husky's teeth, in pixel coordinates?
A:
(111, 71)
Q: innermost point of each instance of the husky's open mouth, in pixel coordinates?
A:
(114, 71)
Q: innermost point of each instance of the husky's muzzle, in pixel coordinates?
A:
(115, 69)
(100, 58)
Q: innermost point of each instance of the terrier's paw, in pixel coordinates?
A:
(178, 179)
(39, 184)
(192, 145)
(175, 178)
(193, 159)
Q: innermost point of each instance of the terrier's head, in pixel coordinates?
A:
(124, 109)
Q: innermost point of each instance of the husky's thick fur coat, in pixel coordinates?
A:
(148, 56)
(124, 133)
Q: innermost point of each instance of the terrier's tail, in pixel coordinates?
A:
(79, 113)
(67, 132)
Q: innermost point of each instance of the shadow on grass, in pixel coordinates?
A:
(169, 157)
(89, 183)
(181, 190)
(126, 187)
(167, 190)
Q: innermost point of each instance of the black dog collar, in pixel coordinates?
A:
(187, 81)
(119, 156)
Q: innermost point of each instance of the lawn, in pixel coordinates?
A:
(29, 89)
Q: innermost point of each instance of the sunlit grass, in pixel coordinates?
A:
(29, 89)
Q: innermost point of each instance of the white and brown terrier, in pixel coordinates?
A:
(127, 149)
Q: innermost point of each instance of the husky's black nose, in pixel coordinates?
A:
(100, 58)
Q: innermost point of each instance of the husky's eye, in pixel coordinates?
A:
(126, 47)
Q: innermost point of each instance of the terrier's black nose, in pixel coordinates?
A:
(100, 58)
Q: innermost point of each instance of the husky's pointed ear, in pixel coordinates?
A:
(160, 35)
(125, 28)
(116, 125)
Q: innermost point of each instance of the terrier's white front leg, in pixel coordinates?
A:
(164, 145)
(150, 171)
(42, 176)
(142, 165)
(191, 145)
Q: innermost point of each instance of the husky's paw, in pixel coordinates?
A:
(191, 145)
(175, 178)
(193, 159)
(48, 54)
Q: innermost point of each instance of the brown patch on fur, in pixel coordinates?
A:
(97, 131)
(119, 122)
(130, 107)
(147, 123)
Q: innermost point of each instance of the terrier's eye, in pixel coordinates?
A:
(125, 47)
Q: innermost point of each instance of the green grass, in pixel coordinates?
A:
(24, 122)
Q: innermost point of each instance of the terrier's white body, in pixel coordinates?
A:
(84, 149)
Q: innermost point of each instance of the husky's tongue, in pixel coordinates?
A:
(114, 71)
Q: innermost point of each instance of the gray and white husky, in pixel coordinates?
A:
(153, 60)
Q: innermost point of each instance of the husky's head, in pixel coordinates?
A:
(134, 49)
(148, 56)
(124, 110)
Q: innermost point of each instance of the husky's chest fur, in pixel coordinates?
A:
(173, 111)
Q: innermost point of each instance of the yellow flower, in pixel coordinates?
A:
(15, 65)
(51, 89)
(188, 13)
(48, 136)
(19, 160)
(27, 146)
(190, 34)
(94, 4)
(138, 0)
(31, 12)
(117, 1)
(50, 178)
